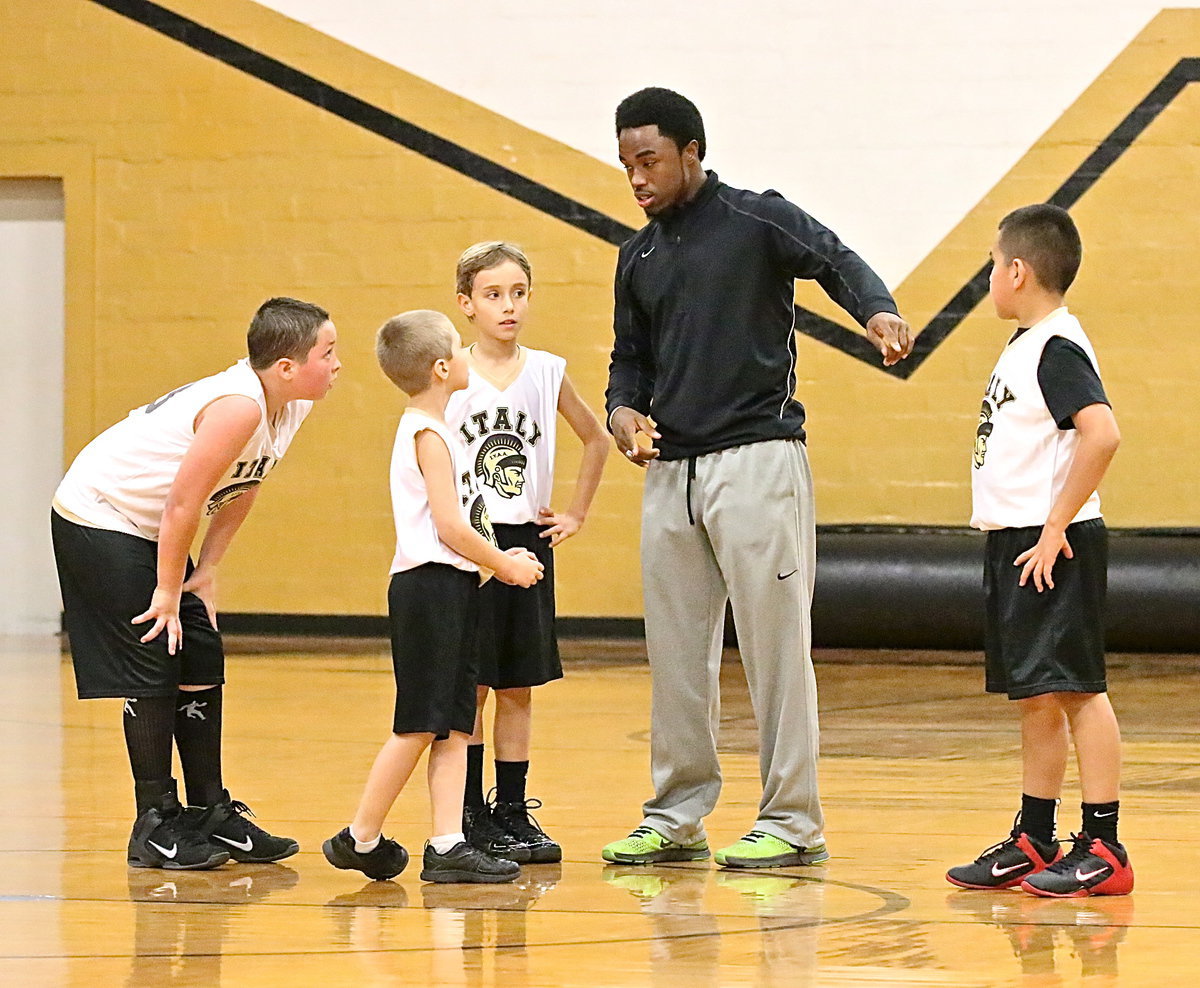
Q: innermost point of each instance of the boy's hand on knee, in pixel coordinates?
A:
(203, 583)
(164, 612)
(1039, 560)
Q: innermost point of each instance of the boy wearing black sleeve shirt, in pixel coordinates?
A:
(1045, 438)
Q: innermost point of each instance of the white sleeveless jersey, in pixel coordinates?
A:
(510, 436)
(121, 479)
(417, 539)
(1021, 456)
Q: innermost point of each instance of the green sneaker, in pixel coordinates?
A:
(762, 850)
(647, 846)
(638, 880)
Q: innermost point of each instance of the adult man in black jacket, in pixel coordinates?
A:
(703, 366)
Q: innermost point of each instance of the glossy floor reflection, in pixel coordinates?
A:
(919, 772)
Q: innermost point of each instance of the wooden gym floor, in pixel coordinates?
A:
(919, 771)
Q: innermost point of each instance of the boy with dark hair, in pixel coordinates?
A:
(444, 546)
(727, 507)
(123, 521)
(507, 416)
(1045, 438)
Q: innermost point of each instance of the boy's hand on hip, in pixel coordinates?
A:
(164, 612)
(891, 337)
(1039, 560)
(627, 425)
(559, 527)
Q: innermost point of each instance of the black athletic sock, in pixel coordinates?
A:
(1037, 817)
(198, 737)
(159, 794)
(149, 722)
(510, 781)
(473, 793)
(1100, 820)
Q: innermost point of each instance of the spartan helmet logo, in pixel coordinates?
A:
(480, 520)
(501, 465)
(983, 431)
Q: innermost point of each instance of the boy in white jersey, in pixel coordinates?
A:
(123, 521)
(1045, 438)
(443, 542)
(507, 417)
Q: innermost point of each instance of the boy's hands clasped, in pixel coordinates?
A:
(521, 569)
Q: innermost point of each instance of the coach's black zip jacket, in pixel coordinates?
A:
(704, 318)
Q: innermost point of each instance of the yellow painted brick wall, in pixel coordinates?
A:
(194, 191)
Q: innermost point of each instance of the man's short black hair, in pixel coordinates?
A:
(1046, 239)
(675, 116)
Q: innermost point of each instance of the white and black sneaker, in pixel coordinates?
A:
(225, 824)
(162, 837)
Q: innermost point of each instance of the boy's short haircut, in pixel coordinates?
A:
(1045, 238)
(488, 254)
(675, 116)
(283, 327)
(408, 345)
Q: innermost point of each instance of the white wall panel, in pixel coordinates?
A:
(886, 120)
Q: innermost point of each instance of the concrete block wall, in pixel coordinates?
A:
(195, 188)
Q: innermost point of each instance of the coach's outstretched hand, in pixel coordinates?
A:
(891, 337)
(627, 425)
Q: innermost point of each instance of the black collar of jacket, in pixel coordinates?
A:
(673, 217)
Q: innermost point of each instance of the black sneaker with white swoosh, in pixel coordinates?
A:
(225, 824)
(1007, 864)
(162, 837)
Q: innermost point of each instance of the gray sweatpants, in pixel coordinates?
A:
(733, 525)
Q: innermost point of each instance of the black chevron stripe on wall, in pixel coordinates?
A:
(541, 197)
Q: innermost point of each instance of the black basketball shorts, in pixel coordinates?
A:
(433, 611)
(517, 643)
(107, 579)
(1052, 641)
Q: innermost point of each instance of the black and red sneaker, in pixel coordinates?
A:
(1007, 864)
(1092, 867)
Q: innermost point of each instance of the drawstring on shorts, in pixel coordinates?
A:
(691, 475)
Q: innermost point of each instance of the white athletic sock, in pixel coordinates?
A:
(443, 843)
(365, 846)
